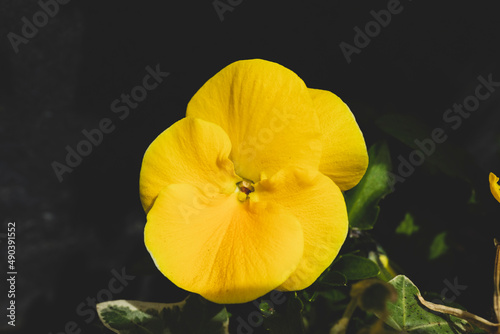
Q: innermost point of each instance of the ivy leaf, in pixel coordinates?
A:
(362, 201)
(355, 267)
(407, 225)
(407, 314)
(193, 315)
(438, 246)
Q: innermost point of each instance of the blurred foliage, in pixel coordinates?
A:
(414, 133)
(438, 246)
(407, 225)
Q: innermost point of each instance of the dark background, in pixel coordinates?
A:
(70, 235)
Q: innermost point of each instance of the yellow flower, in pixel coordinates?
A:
(494, 187)
(243, 195)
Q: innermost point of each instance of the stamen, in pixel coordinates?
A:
(245, 188)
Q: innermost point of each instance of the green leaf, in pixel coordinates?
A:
(407, 314)
(438, 246)
(355, 267)
(193, 315)
(362, 201)
(334, 295)
(407, 225)
(333, 278)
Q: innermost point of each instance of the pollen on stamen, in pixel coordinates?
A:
(245, 188)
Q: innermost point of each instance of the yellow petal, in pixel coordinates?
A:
(190, 151)
(344, 157)
(386, 263)
(268, 114)
(319, 206)
(494, 187)
(223, 249)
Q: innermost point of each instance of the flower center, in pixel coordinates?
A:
(245, 188)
